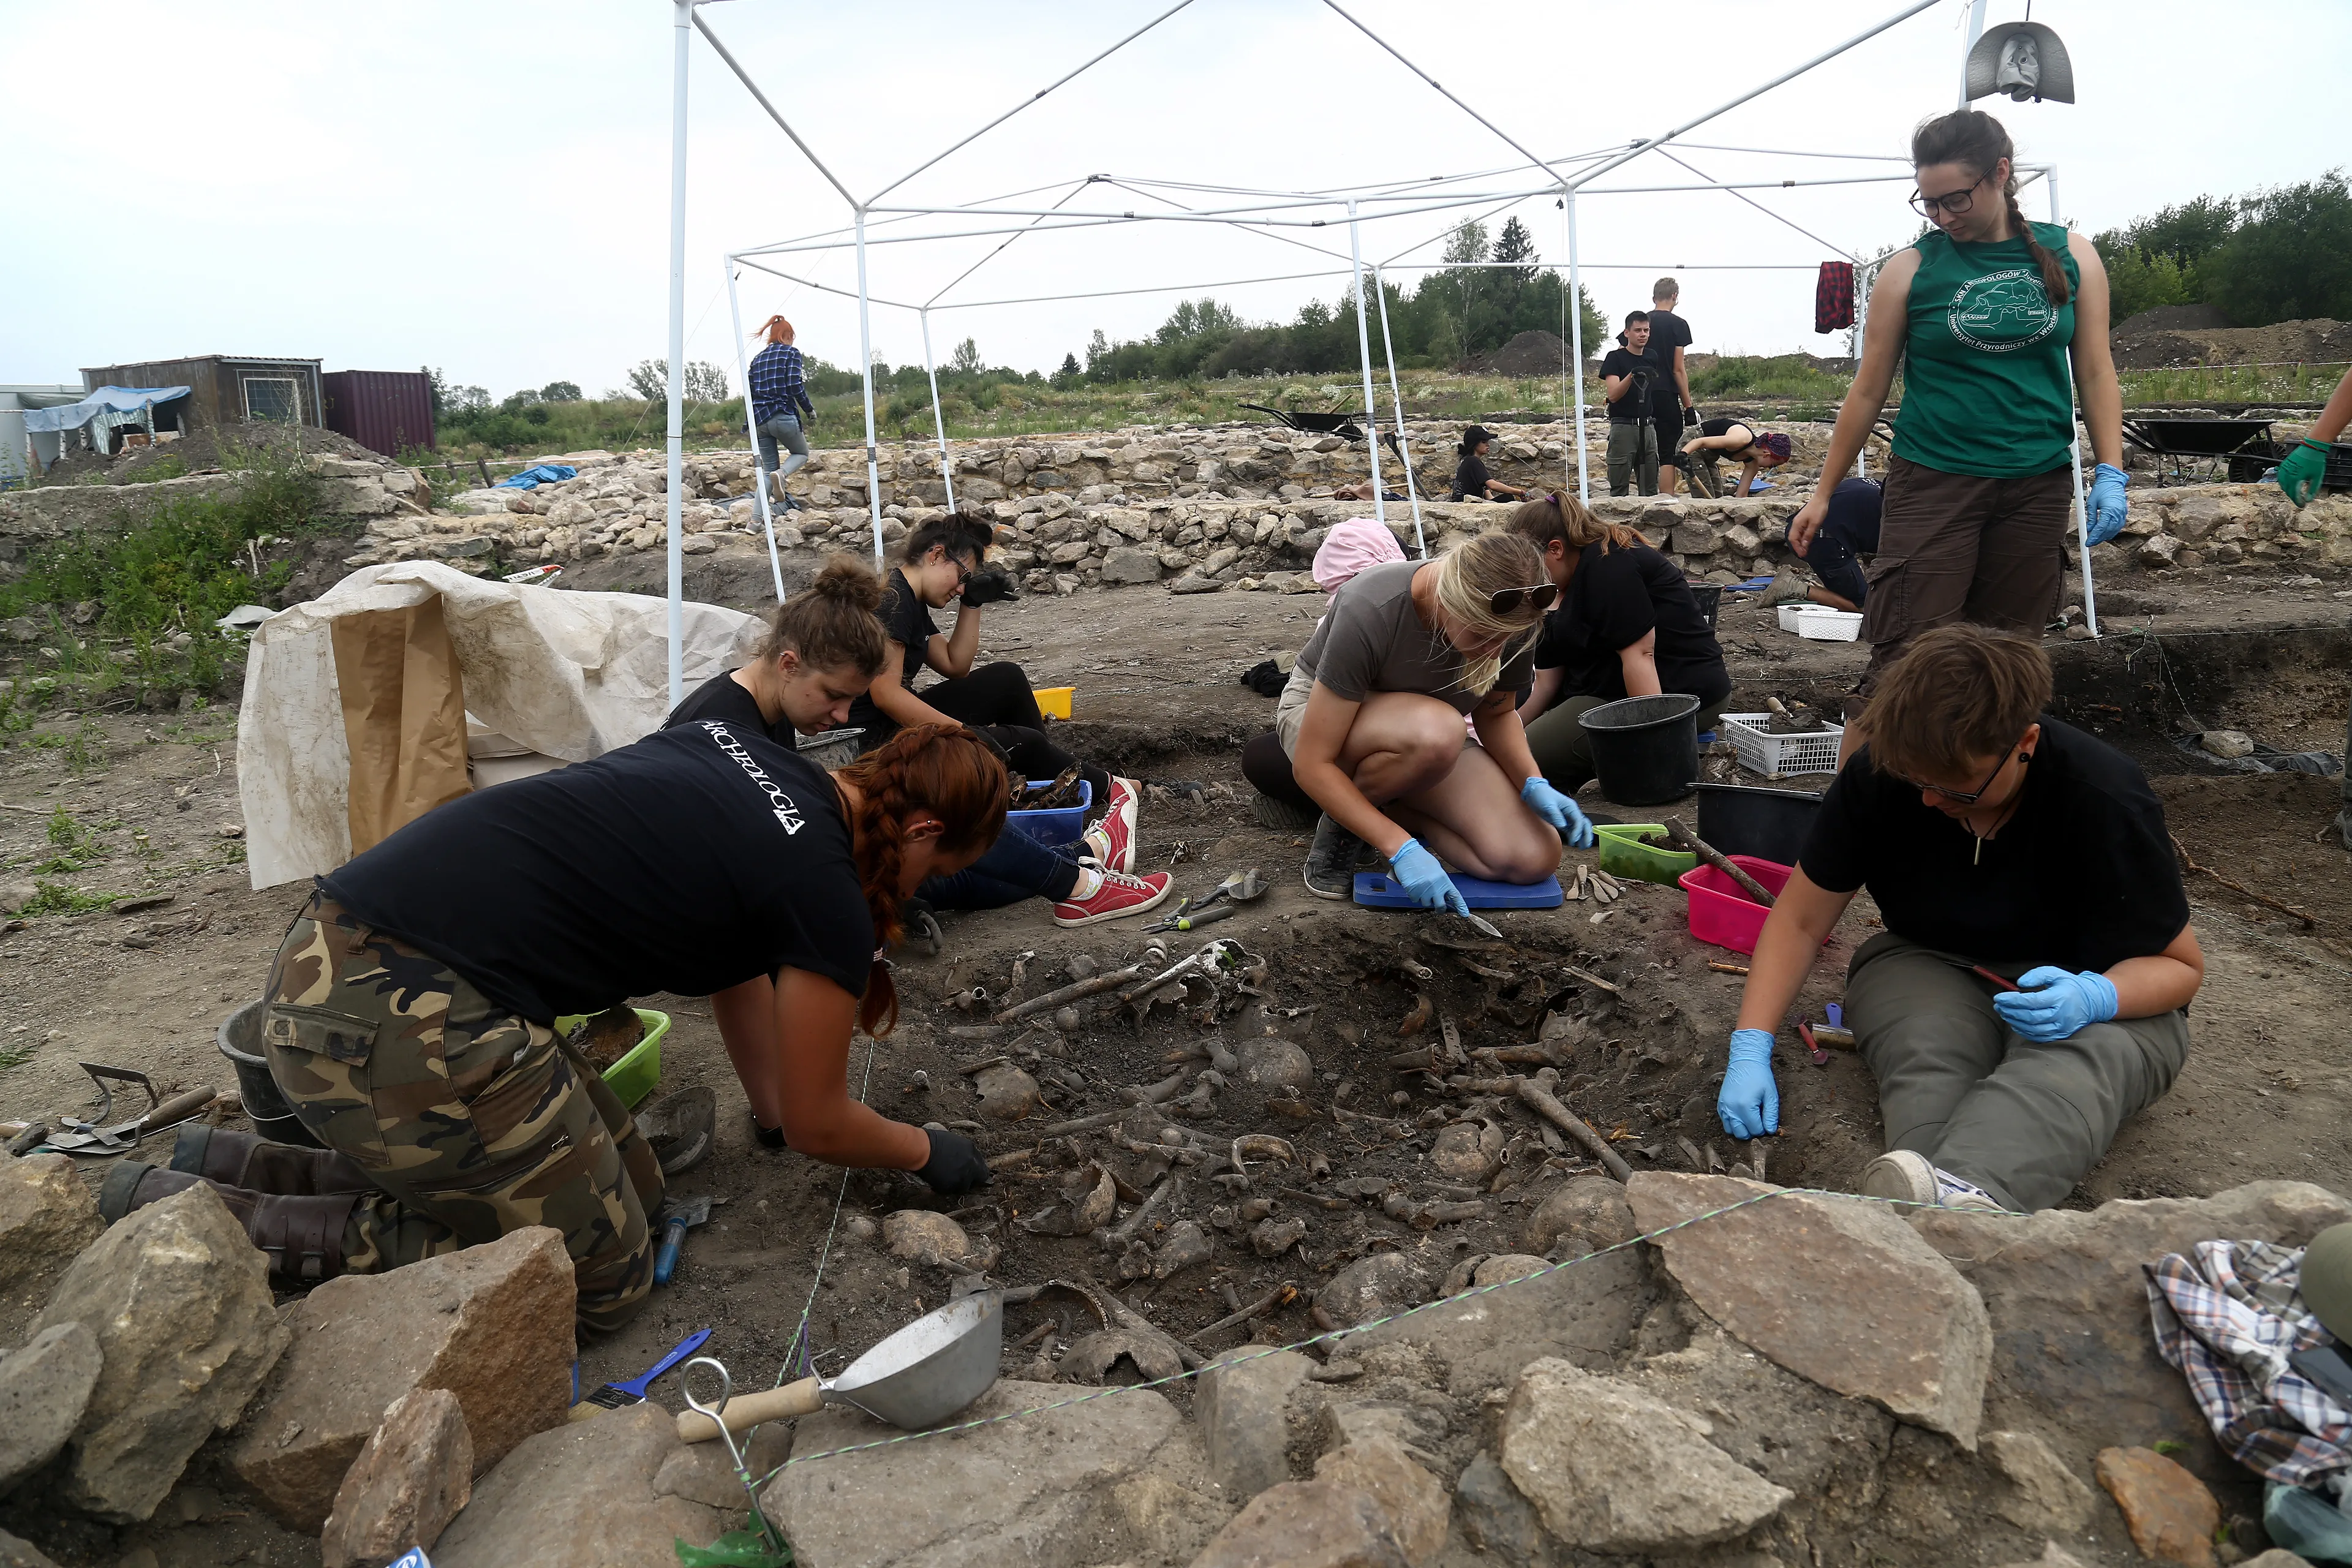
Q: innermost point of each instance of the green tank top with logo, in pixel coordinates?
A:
(1987, 388)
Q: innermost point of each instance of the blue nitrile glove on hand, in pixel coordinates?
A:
(1749, 1104)
(1558, 810)
(2049, 1004)
(1418, 872)
(2300, 471)
(2107, 511)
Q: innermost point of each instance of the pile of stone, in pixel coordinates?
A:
(1722, 1374)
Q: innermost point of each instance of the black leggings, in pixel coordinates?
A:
(996, 699)
(1267, 768)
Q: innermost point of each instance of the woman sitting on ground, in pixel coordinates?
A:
(1849, 531)
(1471, 480)
(1372, 723)
(936, 568)
(1753, 449)
(1626, 626)
(1991, 837)
(412, 1005)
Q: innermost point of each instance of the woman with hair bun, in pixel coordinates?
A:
(824, 648)
(1371, 721)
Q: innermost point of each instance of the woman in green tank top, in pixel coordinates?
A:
(1996, 323)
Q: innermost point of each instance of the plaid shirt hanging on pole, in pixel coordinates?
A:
(777, 385)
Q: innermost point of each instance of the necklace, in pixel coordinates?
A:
(1976, 857)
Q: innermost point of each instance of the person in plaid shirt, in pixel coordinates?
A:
(778, 403)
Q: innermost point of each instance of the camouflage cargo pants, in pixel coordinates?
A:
(472, 1121)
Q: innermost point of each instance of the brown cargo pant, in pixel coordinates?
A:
(471, 1120)
(1955, 547)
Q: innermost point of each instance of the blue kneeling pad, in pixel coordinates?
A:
(1378, 890)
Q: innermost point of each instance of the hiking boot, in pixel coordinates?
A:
(1788, 588)
(245, 1160)
(302, 1237)
(1331, 860)
(1908, 1178)
(1115, 896)
(1112, 839)
(1272, 811)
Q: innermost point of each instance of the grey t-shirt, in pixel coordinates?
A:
(1372, 641)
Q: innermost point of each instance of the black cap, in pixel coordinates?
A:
(1473, 437)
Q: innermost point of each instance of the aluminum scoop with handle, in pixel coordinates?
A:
(917, 1377)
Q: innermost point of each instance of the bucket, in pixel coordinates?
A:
(1063, 825)
(1644, 748)
(1769, 824)
(1723, 914)
(264, 1105)
(1623, 854)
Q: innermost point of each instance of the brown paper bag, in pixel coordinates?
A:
(404, 716)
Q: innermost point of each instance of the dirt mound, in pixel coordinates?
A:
(2319, 342)
(213, 447)
(1529, 354)
(2176, 318)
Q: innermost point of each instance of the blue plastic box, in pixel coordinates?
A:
(1378, 891)
(1052, 828)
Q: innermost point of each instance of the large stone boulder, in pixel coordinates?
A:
(46, 1218)
(414, 1474)
(178, 1301)
(1242, 1410)
(1837, 1290)
(44, 1389)
(1307, 1524)
(492, 1325)
(1417, 1504)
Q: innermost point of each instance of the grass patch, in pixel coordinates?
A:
(2231, 384)
(56, 899)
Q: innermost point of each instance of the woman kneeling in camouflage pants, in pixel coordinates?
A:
(411, 1005)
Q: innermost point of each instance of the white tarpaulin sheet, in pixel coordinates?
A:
(572, 675)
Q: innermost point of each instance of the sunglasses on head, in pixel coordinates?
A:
(1503, 601)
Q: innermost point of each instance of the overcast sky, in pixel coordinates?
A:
(485, 187)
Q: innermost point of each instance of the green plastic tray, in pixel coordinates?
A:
(1623, 854)
(633, 1075)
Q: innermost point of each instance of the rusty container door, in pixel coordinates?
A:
(386, 411)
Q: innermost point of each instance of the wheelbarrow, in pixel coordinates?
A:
(2201, 452)
(916, 1377)
(1307, 421)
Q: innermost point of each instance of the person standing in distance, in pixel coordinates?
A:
(1996, 323)
(1670, 398)
(779, 392)
(1628, 377)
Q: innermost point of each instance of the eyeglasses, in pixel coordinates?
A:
(1953, 202)
(1503, 601)
(1957, 796)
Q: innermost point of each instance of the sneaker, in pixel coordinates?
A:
(1788, 588)
(1267, 811)
(1908, 1178)
(1112, 839)
(1115, 896)
(1331, 860)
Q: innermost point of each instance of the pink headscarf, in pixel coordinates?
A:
(1350, 547)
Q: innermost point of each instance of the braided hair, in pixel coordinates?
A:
(1975, 140)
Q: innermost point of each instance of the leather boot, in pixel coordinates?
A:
(302, 1235)
(243, 1159)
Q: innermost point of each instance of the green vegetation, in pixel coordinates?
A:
(56, 899)
(2280, 255)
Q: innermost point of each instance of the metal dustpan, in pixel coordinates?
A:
(916, 1377)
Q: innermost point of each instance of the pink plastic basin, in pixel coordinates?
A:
(1720, 912)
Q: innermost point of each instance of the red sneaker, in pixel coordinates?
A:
(1113, 838)
(1119, 896)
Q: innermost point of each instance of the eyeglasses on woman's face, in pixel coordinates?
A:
(1955, 202)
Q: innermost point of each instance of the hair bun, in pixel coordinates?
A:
(846, 579)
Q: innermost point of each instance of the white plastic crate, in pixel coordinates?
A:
(1790, 613)
(1778, 756)
(1830, 626)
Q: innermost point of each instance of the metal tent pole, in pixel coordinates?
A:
(1863, 276)
(2082, 502)
(1576, 350)
(1364, 352)
(1396, 400)
(865, 377)
(681, 22)
(939, 414)
(752, 429)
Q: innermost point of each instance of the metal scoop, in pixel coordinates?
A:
(917, 1377)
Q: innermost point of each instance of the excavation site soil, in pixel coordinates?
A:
(1350, 1081)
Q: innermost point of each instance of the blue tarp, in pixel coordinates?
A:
(532, 477)
(105, 400)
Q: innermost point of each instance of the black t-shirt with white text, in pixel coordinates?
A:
(906, 621)
(2081, 875)
(724, 699)
(695, 859)
(1616, 598)
(1633, 406)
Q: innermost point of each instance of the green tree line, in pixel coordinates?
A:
(2279, 255)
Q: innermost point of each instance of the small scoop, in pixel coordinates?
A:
(917, 1377)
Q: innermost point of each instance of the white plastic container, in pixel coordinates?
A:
(1830, 626)
(1779, 756)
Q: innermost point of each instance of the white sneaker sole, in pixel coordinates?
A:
(1119, 914)
(1901, 1176)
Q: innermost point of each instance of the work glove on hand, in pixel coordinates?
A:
(955, 1165)
(1750, 1103)
(1418, 872)
(2301, 472)
(2107, 511)
(2051, 1005)
(1558, 810)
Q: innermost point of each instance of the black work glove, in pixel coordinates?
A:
(1690, 418)
(955, 1165)
(989, 585)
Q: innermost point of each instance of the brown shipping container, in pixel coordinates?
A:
(223, 389)
(386, 410)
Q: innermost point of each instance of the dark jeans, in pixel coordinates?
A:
(1833, 561)
(1267, 768)
(1016, 866)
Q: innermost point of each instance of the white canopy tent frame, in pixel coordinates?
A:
(1259, 214)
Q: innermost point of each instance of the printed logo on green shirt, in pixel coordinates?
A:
(2003, 312)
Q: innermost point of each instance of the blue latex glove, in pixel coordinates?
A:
(1558, 810)
(1749, 1104)
(2049, 1004)
(1418, 872)
(2108, 514)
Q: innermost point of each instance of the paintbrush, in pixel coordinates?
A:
(621, 1396)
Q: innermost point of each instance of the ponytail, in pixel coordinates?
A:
(1569, 520)
(944, 769)
(778, 330)
(2054, 273)
(1975, 140)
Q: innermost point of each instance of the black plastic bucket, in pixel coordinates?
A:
(1644, 748)
(1769, 824)
(265, 1103)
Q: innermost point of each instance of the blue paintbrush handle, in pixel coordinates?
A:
(686, 1347)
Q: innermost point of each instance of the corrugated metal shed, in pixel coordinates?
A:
(386, 410)
(226, 388)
